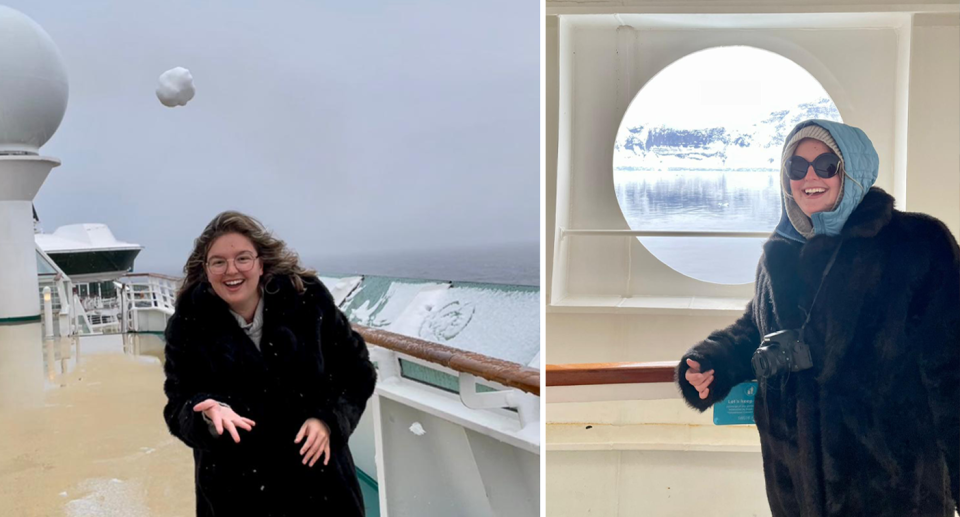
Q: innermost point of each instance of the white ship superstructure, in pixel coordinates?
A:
(86, 261)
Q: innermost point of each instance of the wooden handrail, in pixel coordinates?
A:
(589, 374)
(507, 373)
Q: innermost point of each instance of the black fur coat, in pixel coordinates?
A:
(312, 364)
(874, 427)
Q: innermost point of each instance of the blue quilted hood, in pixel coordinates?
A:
(861, 164)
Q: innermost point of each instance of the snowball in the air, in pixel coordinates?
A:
(176, 87)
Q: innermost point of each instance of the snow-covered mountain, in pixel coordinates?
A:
(717, 148)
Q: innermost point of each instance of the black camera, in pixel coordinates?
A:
(780, 352)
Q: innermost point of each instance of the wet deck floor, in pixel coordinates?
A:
(98, 447)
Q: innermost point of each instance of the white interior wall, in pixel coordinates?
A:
(901, 114)
(933, 160)
(656, 483)
(561, 175)
(607, 338)
(551, 105)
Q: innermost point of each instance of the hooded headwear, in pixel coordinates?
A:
(859, 163)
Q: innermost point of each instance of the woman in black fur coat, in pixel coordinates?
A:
(873, 427)
(265, 379)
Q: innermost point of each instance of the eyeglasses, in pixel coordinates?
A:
(826, 166)
(243, 262)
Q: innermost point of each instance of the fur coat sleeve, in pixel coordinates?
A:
(183, 389)
(727, 352)
(350, 378)
(935, 320)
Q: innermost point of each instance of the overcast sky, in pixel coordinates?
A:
(347, 127)
(732, 87)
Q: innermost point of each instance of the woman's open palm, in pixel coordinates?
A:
(223, 417)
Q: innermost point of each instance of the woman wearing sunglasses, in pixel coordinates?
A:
(265, 379)
(854, 337)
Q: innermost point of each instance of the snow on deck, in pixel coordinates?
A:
(500, 321)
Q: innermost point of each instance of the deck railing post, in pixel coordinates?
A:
(528, 408)
(388, 365)
(47, 313)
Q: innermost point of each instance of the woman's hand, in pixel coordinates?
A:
(700, 381)
(224, 417)
(318, 441)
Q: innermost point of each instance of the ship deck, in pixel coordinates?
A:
(99, 445)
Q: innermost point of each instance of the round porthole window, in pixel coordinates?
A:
(698, 150)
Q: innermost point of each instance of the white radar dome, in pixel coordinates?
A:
(33, 84)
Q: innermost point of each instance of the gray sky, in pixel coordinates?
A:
(732, 87)
(346, 127)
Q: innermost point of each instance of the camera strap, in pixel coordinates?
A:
(826, 271)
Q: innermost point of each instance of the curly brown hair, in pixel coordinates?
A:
(277, 259)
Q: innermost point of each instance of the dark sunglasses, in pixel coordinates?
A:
(826, 166)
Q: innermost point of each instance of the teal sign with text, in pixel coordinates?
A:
(737, 408)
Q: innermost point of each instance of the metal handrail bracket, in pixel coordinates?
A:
(527, 406)
(503, 425)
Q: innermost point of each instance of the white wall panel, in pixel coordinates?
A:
(583, 483)
(933, 162)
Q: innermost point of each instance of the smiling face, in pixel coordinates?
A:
(240, 289)
(814, 194)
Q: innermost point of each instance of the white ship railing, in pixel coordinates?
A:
(464, 446)
(147, 292)
(516, 379)
(152, 291)
(96, 323)
(139, 292)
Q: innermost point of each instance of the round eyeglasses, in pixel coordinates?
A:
(243, 262)
(826, 166)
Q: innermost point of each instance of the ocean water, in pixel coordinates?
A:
(506, 264)
(513, 264)
(702, 201)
